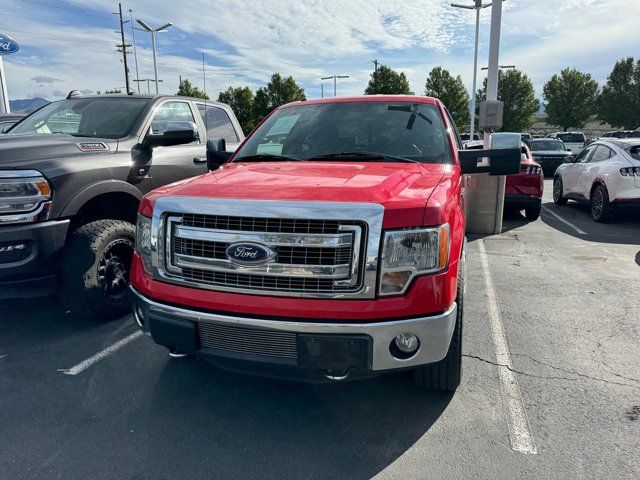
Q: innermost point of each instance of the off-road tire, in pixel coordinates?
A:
(446, 375)
(558, 198)
(533, 212)
(94, 270)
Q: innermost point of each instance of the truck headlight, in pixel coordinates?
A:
(143, 241)
(23, 192)
(408, 253)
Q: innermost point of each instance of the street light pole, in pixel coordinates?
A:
(335, 80)
(153, 32)
(477, 7)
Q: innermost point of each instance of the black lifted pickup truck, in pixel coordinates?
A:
(71, 176)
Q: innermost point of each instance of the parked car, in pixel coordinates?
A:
(340, 255)
(573, 141)
(71, 177)
(8, 120)
(549, 153)
(523, 190)
(606, 175)
(526, 138)
(622, 134)
(465, 137)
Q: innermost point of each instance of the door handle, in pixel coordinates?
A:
(200, 160)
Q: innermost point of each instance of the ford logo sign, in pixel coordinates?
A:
(8, 45)
(249, 253)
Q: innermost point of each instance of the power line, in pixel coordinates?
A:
(36, 19)
(123, 49)
(69, 9)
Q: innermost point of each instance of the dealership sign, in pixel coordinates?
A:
(8, 45)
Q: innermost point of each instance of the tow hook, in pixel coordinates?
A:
(336, 375)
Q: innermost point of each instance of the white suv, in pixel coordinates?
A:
(606, 175)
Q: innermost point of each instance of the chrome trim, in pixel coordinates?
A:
(168, 208)
(20, 174)
(272, 239)
(268, 269)
(28, 217)
(433, 331)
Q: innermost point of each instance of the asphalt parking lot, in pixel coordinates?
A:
(551, 384)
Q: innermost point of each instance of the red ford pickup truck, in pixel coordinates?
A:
(329, 245)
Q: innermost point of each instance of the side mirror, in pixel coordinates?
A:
(570, 159)
(569, 150)
(177, 133)
(216, 153)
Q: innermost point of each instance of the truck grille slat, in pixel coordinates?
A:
(248, 340)
(311, 256)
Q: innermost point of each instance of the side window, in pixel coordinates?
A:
(169, 113)
(584, 154)
(217, 122)
(601, 153)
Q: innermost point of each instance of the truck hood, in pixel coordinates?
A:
(404, 187)
(28, 151)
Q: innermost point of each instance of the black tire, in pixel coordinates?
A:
(533, 212)
(601, 209)
(446, 375)
(94, 269)
(558, 198)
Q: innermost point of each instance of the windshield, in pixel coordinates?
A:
(571, 137)
(412, 131)
(547, 145)
(85, 117)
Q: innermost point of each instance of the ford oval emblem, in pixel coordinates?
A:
(8, 45)
(249, 253)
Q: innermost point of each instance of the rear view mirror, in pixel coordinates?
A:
(216, 153)
(504, 161)
(177, 133)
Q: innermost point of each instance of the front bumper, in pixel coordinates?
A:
(182, 329)
(28, 257)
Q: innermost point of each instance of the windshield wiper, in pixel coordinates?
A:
(369, 156)
(265, 157)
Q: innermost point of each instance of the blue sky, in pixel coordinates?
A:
(70, 44)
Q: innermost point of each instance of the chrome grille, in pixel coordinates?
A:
(311, 256)
(248, 340)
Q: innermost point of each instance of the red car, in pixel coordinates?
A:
(331, 245)
(523, 191)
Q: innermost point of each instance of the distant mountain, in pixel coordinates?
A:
(26, 105)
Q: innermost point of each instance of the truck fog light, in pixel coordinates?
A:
(407, 342)
(394, 282)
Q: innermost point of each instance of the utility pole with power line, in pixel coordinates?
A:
(123, 48)
(133, 41)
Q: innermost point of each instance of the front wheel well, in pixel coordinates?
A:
(113, 205)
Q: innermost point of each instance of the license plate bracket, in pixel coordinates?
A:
(335, 352)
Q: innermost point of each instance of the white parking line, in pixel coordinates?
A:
(519, 433)
(566, 222)
(76, 369)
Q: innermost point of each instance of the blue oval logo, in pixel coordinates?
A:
(249, 253)
(8, 45)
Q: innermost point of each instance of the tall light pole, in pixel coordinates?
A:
(335, 80)
(153, 32)
(477, 6)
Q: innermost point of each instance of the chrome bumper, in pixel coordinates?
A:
(434, 331)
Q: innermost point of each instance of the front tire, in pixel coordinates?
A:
(95, 268)
(446, 375)
(558, 198)
(601, 210)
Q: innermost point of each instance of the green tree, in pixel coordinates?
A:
(278, 91)
(571, 98)
(520, 102)
(188, 90)
(240, 100)
(387, 81)
(619, 102)
(451, 92)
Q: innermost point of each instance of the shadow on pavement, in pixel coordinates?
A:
(623, 229)
(209, 422)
